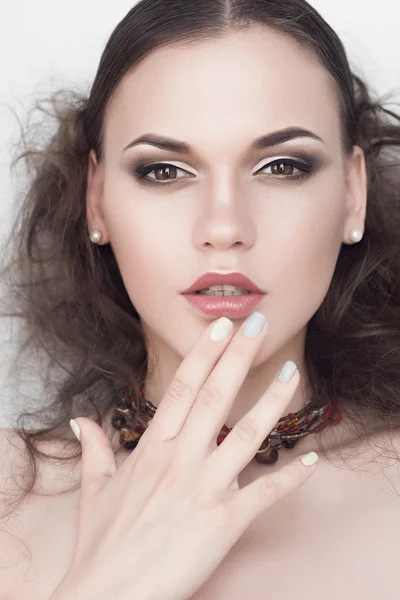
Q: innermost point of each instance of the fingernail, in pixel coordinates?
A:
(221, 329)
(75, 428)
(255, 324)
(287, 371)
(310, 459)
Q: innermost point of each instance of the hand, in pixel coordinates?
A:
(157, 527)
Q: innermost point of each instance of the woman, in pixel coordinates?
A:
(228, 138)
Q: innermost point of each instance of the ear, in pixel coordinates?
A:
(94, 197)
(356, 193)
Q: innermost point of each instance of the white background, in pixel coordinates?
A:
(46, 45)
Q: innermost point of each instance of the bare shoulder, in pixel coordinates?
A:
(34, 529)
(55, 484)
(45, 521)
(11, 542)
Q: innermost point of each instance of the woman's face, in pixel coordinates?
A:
(223, 207)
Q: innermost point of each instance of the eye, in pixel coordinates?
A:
(158, 168)
(282, 168)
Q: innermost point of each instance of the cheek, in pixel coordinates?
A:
(306, 262)
(141, 266)
(147, 253)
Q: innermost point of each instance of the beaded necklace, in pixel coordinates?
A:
(289, 429)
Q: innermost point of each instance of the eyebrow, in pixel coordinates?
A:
(271, 139)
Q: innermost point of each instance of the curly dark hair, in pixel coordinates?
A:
(77, 317)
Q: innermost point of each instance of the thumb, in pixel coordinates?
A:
(98, 463)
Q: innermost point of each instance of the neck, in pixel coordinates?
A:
(163, 362)
(262, 372)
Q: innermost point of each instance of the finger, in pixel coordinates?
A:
(244, 440)
(182, 391)
(247, 503)
(215, 398)
(98, 462)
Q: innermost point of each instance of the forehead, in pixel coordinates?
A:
(235, 88)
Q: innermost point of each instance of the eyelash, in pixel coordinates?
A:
(306, 169)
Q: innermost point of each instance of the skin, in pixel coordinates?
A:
(285, 235)
(214, 213)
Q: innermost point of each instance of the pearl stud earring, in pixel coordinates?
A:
(356, 236)
(95, 236)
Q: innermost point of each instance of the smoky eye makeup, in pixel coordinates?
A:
(307, 164)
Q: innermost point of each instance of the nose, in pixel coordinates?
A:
(226, 219)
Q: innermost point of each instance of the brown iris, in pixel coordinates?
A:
(282, 169)
(171, 170)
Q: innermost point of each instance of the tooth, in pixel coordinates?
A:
(227, 288)
(220, 287)
(223, 292)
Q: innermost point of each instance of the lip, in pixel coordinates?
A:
(213, 278)
(232, 307)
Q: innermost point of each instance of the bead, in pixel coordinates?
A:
(311, 419)
(288, 443)
(129, 439)
(222, 435)
(130, 444)
(267, 456)
(124, 405)
(139, 427)
(118, 421)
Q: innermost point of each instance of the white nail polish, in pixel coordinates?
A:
(310, 459)
(221, 329)
(75, 429)
(287, 371)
